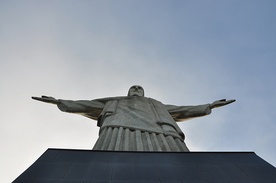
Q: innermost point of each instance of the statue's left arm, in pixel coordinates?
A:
(181, 113)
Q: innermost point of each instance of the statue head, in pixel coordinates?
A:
(136, 91)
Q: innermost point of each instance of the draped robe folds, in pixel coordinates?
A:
(136, 123)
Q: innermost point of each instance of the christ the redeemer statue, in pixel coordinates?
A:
(135, 122)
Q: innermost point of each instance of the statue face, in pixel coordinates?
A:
(136, 90)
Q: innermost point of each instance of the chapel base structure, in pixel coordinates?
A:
(86, 166)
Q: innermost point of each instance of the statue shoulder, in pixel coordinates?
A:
(154, 101)
(107, 99)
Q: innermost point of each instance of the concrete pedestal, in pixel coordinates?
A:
(87, 166)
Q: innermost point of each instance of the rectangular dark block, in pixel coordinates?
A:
(71, 181)
(123, 173)
(76, 171)
(197, 182)
(212, 173)
(74, 156)
(233, 173)
(179, 172)
(23, 180)
(152, 158)
(259, 173)
(46, 180)
(46, 170)
(86, 166)
(103, 157)
(99, 172)
(191, 158)
(145, 173)
(235, 158)
(143, 182)
(50, 180)
(95, 181)
(48, 155)
(135, 173)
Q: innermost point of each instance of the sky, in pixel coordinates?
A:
(182, 52)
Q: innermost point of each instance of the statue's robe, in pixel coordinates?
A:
(136, 123)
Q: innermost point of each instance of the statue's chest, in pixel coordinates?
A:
(137, 103)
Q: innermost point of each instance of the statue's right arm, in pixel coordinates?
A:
(73, 106)
(46, 99)
(80, 106)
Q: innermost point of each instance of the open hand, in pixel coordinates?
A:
(46, 99)
(220, 103)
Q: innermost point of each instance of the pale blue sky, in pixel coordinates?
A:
(182, 52)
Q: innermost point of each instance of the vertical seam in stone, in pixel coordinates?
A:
(179, 144)
(144, 141)
(164, 141)
(126, 140)
(150, 146)
(132, 141)
(155, 141)
(100, 140)
(173, 145)
(138, 138)
(113, 139)
(119, 139)
(106, 139)
(182, 145)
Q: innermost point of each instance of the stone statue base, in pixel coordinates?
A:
(63, 165)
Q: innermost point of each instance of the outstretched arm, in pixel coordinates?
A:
(220, 103)
(88, 108)
(182, 113)
(47, 99)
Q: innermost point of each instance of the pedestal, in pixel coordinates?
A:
(86, 166)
